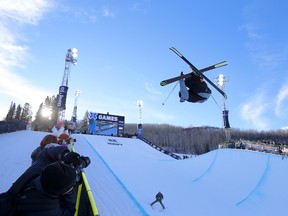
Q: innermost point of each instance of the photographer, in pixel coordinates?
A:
(48, 186)
(48, 141)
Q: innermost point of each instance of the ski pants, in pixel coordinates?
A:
(160, 201)
(183, 90)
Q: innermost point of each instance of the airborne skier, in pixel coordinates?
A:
(201, 76)
(197, 91)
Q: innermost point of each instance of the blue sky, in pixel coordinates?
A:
(123, 54)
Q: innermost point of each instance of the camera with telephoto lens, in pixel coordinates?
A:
(85, 161)
(75, 159)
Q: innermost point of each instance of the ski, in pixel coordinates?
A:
(198, 72)
(174, 79)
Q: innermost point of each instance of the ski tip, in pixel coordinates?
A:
(163, 83)
(221, 64)
(225, 96)
(176, 51)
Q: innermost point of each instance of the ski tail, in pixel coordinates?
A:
(174, 79)
(198, 72)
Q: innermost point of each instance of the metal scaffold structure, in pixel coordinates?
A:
(63, 89)
(139, 125)
(221, 80)
(74, 114)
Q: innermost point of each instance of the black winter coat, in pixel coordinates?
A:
(65, 204)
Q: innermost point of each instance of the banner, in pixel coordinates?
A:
(92, 123)
(111, 125)
(139, 131)
(106, 124)
(61, 103)
(225, 119)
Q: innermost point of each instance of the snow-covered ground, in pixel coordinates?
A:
(125, 174)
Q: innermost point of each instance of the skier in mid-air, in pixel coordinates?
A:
(197, 91)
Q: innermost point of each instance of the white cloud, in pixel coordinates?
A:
(28, 11)
(107, 12)
(142, 6)
(20, 89)
(281, 97)
(251, 32)
(253, 111)
(13, 54)
(149, 87)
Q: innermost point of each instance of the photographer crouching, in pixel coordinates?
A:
(48, 186)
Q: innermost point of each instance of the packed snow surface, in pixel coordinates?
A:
(125, 174)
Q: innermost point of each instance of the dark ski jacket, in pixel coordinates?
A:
(159, 196)
(32, 199)
(196, 85)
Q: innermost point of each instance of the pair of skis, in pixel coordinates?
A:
(199, 72)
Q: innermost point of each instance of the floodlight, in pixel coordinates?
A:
(74, 52)
(221, 80)
(77, 93)
(140, 103)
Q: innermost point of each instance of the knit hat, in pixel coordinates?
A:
(63, 136)
(50, 138)
(59, 124)
(58, 178)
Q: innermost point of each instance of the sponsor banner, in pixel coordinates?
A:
(92, 123)
(139, 131)
(106, 124)
(61, 103)
(225, 119)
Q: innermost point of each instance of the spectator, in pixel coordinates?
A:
(70, 128)
(59, 129)
(49, 186)
(48, 141)
(62, 138)
(66, 140)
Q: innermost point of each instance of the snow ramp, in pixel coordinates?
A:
(125, 174)
(110, 194)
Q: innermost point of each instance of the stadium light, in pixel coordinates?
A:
(140, 103)
(221, 80)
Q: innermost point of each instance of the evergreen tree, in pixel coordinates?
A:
(45, 123)
(11, 113)
(38, 118)
(18, 113)
(26, 115)
(54, 109)
(38, 114)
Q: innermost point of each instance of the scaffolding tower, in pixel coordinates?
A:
(74, 114)
(221, 80)
(63, 89)
(139, 125)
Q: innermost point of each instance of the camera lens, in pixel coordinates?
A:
(85, 161)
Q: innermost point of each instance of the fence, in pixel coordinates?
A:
(11, 126)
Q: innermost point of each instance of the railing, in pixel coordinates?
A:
(177, 157)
